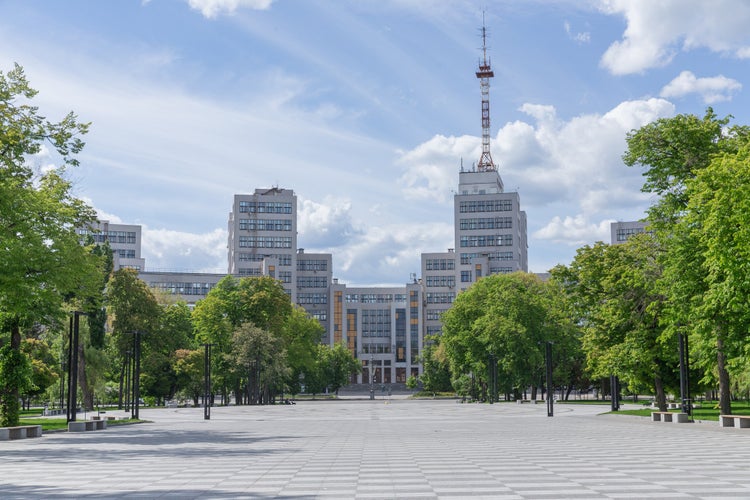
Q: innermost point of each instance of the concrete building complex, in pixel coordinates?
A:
(385, 327)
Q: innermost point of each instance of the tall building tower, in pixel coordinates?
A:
(263, 236)
(489, 225)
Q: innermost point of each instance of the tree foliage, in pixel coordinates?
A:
(619, 307)
(509, 316)
(675, 154)
(42, 262)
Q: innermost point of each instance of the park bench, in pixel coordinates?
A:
(20, 432)
(742, 421)
(86, 425)
(522, 401)
(669, 416)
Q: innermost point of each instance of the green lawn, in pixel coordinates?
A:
(708, 410)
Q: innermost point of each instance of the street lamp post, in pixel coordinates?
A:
(492, 377)
(684, 375)
(73, 366)
(207, 382)
(136, 380)
(550, 398)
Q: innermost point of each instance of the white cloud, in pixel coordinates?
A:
(576, 164)
(574, 231)
(711, 89)
(389, 250)
(170, 250)
(431, 167)
(325, 225)
(657, 30)
(214, 8)
(581, 37)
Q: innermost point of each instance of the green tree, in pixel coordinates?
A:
(262, 302)
(301, 336)
(716, 228)
(436, 374)
(133, 308)
(508, 316)
(673, 151)
(173, 332)
(619, 307)
(42, 262)
(43, 365)
(260, 356)
(337, 365)
(189, 369)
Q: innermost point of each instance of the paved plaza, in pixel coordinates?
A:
(383, 449)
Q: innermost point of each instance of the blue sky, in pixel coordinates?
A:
(366, 109)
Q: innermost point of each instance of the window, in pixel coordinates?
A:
(624, 234)
(440, 297)
(440, 264)
(312, 265)
(472, 206)
(265, 207)
(441, 281)
(312, 281)
(465, 276)
(265, 224)
(486, 223)
(265, 242)
(486, 240)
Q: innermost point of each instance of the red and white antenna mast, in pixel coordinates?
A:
(484, 74)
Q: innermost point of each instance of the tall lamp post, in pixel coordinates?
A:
(493, 377)
(685, 375)
(550, 398)
(207, 381)
(73, 366)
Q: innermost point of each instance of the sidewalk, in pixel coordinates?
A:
(383, 449)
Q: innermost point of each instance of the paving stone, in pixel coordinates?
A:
(370, 449)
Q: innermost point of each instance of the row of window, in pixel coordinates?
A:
(126, 253)
(501, 270)
(312, 298)
(284, 259)
(440, 264)
(111, 236)
(471, 206)
(486, 223)
(488, 240)
(265, 207)
(183, 288)
(434, 281)
(312, 265)
(624, 234)
(319, 315)
(492, 256)
(265, 225)
(312, 281)
(375, 298)
(265, 242)
(440, 297)
(434, 314)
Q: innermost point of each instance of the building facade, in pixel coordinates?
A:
(123, 239)
(620, 232)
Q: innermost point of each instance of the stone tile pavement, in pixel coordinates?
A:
(383, 449)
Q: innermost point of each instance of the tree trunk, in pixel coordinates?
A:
(661, 397)
(86, 390)
(10, 412)
(725, 401)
